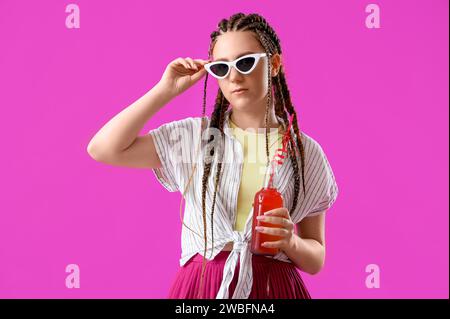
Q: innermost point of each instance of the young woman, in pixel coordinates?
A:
(215, 163)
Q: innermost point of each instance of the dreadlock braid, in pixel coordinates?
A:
(269, 93)
(284, 91)
(221, 105)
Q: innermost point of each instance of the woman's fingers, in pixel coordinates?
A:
(191, 63)
(283, 222)
(273, 220)
(282, 211)
(273, 244)
(183, 62)
(273, 231)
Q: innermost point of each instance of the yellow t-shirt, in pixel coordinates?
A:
(254, 168)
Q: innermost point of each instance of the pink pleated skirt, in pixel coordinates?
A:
(272, 279)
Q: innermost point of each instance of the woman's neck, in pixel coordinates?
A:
(253, 120)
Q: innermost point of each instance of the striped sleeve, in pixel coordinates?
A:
(320, 181)
(173, 143)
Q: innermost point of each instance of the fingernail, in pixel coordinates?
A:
(258, 227)
(260, 217)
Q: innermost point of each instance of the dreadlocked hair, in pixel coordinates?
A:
(277, 91)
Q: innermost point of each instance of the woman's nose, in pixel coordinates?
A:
(235, 74)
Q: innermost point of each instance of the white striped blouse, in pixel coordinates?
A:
(178, 146)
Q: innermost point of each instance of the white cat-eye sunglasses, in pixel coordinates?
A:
(245, 64)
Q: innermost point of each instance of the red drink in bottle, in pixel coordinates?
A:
(266, 199)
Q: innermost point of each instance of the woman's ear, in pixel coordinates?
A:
(276, 64)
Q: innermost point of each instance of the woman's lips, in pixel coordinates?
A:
(241, 91)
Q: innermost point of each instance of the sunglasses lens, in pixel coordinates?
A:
(219, 69)
(245, 64)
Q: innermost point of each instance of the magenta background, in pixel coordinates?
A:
(375, 99)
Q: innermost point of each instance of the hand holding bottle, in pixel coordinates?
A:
(277, 222)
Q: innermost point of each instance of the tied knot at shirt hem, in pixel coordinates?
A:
(239, 246)
(241, 250)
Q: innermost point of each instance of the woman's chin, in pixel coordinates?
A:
(241, 104)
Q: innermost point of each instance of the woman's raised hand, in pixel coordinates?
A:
(180, 74)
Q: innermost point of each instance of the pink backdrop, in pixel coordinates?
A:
(375, 99)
